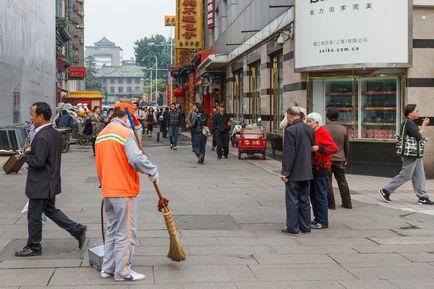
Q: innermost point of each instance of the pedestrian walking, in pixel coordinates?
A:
(199, 122)
(339, 134)
(411, 156)
(324, 148)
(165, 122)
(297, 172)
(150, 121)
(221, 126)
(97, 125)
(174, 123)
(214, 139)
(119, 161)
(43, 182)
(190, 117)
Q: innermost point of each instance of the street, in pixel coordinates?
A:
(228, 214)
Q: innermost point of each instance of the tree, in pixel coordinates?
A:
(145, 57)
(91, 82)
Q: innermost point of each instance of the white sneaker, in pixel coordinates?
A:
(134, 276)
(105, 275)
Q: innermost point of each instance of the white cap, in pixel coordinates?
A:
(315, 117)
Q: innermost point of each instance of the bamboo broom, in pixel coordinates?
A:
(176, 252)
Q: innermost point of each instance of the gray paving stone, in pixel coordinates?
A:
(296, 272)
(315, 285)
(25, 277)
(205, 273)
(19, 263)
(90, 277)
(364, 284)
(262, 285)
(404, 240)
(294, 259)
(404, 248)
(193, 260)
(370, 260)
(419, 257)
(410, 272)
(413, 283)
(222, 285)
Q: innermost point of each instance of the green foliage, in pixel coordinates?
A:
(145, 57)
(91, 82)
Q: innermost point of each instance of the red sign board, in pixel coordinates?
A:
(77, 72)
(211, 14)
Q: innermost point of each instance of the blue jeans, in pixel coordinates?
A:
(297, 206)
(318, 198)
(173, 135)
(199, 143)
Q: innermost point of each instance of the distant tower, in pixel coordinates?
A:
(105, 52)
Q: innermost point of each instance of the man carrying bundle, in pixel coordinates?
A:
(119, 161)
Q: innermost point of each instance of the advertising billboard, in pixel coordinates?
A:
(337, 34)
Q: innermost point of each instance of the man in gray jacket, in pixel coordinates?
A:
(297, 171)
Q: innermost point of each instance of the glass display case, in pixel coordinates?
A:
(370, 107)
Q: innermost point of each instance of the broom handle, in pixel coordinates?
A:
(157, 189)
(136, 135)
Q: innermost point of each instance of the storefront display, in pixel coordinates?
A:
(369, 106)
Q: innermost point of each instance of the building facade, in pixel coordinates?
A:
(105, 52)
(254, 47)
(125, 81)
(27, 57)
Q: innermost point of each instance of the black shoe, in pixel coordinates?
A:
(82, 238)
(27, 252)
(385, 195)
(288, 232)
(425, 201)
(213, 148)
(201, 160)
(226, 156)
(219, 157)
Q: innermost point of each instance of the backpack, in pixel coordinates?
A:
(201, 127)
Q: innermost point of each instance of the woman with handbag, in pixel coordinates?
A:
(410, 145)
(150, 120)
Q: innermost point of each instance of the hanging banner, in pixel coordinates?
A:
(336, 34)
(189, 23)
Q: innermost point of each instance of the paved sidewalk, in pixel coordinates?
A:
(229, 214)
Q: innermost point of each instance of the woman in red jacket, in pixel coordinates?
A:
(324, 149)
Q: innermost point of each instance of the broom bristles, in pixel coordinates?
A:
(176, 252)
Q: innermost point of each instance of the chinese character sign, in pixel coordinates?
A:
(333, 34)
(169, 20)
(189, 24)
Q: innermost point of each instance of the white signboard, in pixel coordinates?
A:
(334, 34)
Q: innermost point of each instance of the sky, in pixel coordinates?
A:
(125, 21)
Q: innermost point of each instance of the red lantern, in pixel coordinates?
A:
(186, 86)
(178, 92)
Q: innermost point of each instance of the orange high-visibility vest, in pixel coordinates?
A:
(118, 178)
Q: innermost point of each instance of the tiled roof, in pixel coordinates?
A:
(120, 71)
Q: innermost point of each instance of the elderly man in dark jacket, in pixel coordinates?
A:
(296, 172)
(43, 182)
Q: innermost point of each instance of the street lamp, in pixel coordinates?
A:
(171, 62)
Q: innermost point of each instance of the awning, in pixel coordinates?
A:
(84, 95)
(212, 62)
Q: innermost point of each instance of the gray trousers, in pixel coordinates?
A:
(121, 214)
(412, 169)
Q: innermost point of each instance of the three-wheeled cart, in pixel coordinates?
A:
(252, 140)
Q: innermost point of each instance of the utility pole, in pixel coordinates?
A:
(171, 64)
(156, 76)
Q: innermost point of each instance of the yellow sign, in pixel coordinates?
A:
(169, 20)
(189, 23)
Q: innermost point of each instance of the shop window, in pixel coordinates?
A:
(238, 95)
(112, 89)
(129, 89)
(255, 91)
(277, 91)
(120, 89)
(128, 80)
(369, 107)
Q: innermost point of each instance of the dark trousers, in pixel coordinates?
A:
(34, 220)
(164, 129)
(222, 144)
(338, 169)
(93, 144)
(214, 140)
(297, 206)
(318, 198)
(199, 143)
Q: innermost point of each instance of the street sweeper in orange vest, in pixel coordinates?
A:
(119, 162)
